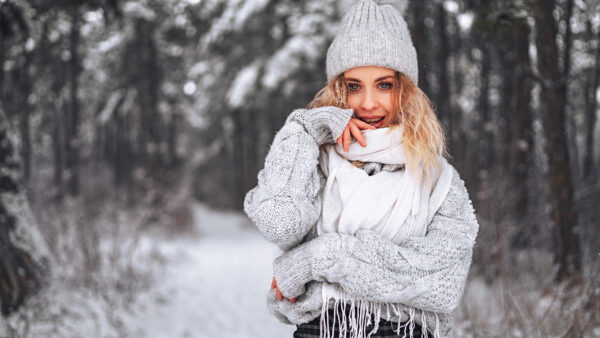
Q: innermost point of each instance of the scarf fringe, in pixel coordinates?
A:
(363, 313)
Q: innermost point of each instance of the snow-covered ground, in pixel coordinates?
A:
(214, 284)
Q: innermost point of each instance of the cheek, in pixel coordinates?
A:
(386, 103)
(352, 101)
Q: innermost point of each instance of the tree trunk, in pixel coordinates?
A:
(419, 37)
(566, 68)
(2, 54)
(590, 107)
(484, 157)
(25, 89)
(552, 99)
(444, 83)
(22, 251)
(522, 138)
(567, 51)
(57, 149)
(72, 144)
(147, 83)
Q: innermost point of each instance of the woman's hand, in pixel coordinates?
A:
(353, 128)
(278, 292)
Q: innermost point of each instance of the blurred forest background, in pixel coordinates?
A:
(118, 117)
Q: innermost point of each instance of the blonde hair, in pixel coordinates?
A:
(423, 135)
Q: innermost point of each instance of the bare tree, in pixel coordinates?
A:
(591, 103)
(72, 142)
(521, 139)
(552, 99)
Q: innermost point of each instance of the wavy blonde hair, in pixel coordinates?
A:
(423, 135)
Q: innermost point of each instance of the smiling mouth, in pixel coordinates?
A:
(374, 121)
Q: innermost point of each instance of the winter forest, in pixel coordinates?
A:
(131, 130)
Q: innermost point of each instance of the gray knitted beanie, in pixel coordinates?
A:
(372, 34)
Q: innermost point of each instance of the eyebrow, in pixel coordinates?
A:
(376, 80)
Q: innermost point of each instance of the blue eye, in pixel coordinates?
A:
(353, 87)
(385, 85)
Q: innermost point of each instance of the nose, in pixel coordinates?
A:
(368, 101)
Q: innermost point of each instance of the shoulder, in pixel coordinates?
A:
(449, 192)
(456, 203)
(457, 189)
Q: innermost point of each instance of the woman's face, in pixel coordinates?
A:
(370, 94)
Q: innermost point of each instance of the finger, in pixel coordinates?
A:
(273, 284)
(339, 140)
(358, 135)
(346, 140)
(279, 295)
(293, 300)
(363, 124)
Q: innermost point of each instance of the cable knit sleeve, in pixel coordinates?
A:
(426, 272)
(286, 203)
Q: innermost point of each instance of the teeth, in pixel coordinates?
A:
(373, 120)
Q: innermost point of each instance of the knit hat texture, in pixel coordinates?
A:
(372, 33)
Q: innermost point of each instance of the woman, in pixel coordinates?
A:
(377, 233)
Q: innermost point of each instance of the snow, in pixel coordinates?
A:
(110, 43)
(243, 85)
(233, 18)
(215, 283)
(290, 58)
(139, 9)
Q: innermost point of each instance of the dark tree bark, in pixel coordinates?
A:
(72, 142)
(508, 63)
(552, 100)
(484, 158)
(566, 69)
(57, 149)
(123, 155)
(591, 105)
(522, 139)
(443, 97)
(20, 275)
(419, 37)
(146, 79)
(25, 90)
(2, 52)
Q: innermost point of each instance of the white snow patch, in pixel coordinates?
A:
(214, 285)
(465, 21)
(290, 58)
(139, 9)
(110, 43)
(243, 85)
(233, 18)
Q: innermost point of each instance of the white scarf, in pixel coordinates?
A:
(394, 204)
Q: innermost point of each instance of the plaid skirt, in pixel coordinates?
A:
(386, 329)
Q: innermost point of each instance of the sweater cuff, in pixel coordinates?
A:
(323, 258)
(292, 270)
(324, 124)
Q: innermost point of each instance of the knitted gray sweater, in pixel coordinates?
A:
(424, 274)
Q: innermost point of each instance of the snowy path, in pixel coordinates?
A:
(215, 284)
